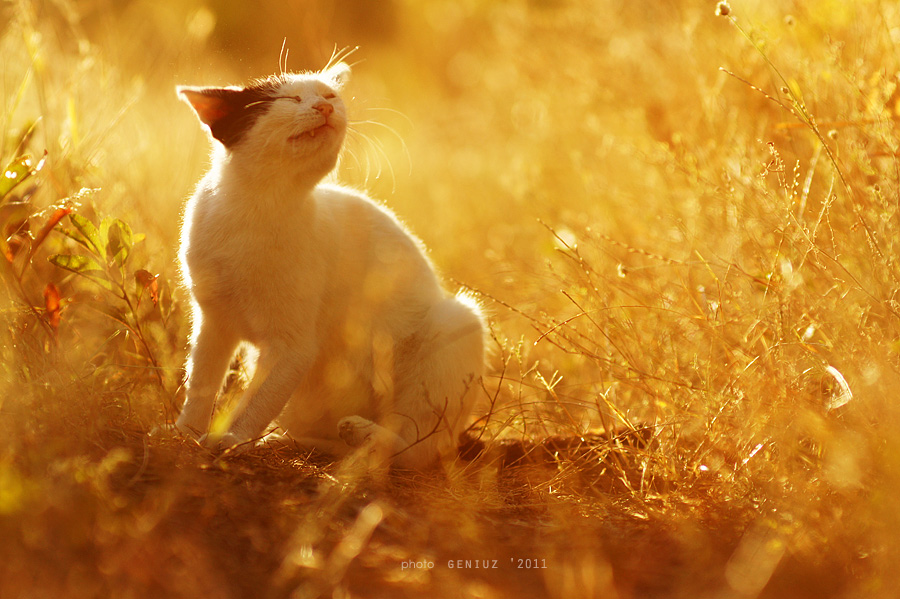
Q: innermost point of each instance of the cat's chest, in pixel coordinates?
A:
(250, 258)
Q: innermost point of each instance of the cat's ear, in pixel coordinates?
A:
(212, 104)
(228, 112)
(338, 75)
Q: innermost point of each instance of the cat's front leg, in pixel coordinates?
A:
(212, 348)
(279, 373)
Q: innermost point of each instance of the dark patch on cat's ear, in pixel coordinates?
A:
(228, 112)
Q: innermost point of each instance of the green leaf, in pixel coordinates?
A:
(76, 236)
(85, 266)
(89, 232)
(16, 172)
(103, 229)
(119, 241)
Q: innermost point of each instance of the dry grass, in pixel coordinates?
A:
(683, 224)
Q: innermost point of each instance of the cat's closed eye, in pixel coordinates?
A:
(294, 98)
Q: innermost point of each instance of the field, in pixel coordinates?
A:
(681, 218)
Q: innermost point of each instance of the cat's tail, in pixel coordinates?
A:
(445, 369)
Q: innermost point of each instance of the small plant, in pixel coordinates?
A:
(128, 295)
(19, 246)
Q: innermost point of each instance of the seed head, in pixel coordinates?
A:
(723, 9)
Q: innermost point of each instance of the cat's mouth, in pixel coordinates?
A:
(311, 132)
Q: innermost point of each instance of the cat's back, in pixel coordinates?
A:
(366, 226)
(369, 234)
(349, 207)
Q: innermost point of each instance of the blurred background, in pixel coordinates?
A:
(674, 218)
(486, 115)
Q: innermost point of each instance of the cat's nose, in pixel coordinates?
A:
(324, 107)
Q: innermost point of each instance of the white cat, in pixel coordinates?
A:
(358, 343)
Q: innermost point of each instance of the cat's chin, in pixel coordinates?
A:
(320, 131)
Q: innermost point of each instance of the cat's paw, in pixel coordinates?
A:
(186, 430)
(168, 430)
(355, 430)
(228, 442)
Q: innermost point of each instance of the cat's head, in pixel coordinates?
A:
(297, 119)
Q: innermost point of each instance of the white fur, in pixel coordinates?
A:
(358, 343)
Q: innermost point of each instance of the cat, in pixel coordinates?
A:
(358, 343)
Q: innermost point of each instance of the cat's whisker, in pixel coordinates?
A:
(353, 137)
(355, 157)
(378, 148)
(283, 57)
(390, 166)
(362, 141)
(380, 124)
(366, 168)
(392, 111)
(378, 145)
(339, 56)
(393, 132)
(331, 60)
